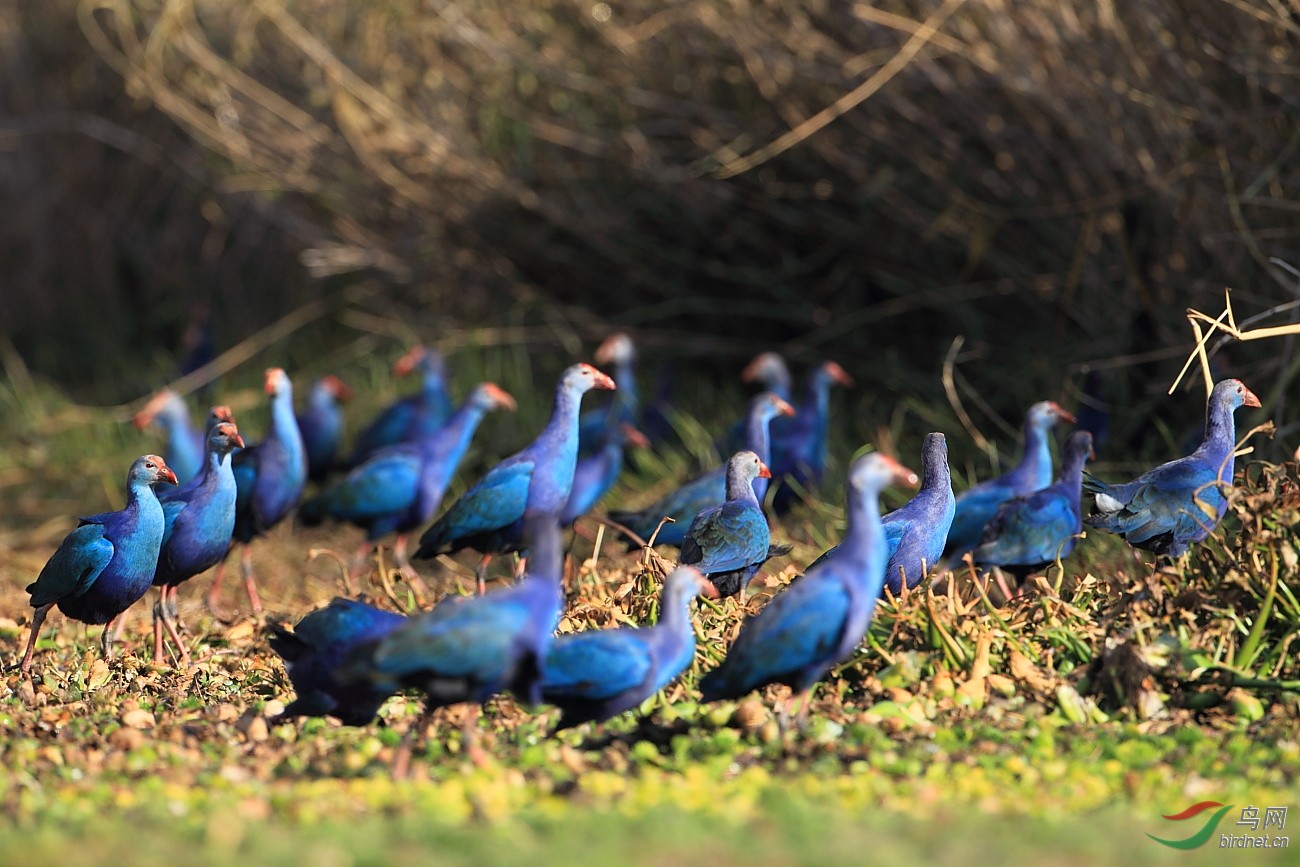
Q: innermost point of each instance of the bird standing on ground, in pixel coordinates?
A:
(977, 505)
(470, 649)
(730, 541)
(1172, 507)
(269, 477)
(1029, 532)
(411, 417)
(322, 643)
(321, 425)
(818, 620)
(184, 446)
(592, 676)
(595, 426)
(103, 566)
(539, 478)
(398, 488)
(199, 520)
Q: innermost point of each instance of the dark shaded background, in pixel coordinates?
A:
(1053, 181)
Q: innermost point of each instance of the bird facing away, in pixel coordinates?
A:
(618, 353)
(398, 488)
(710, 489)
(1029, 532)
(594, 675)
(770, 371)
(977, 505)
(269, 477)
(321, 424)
(817, 621)
(916, 532)
(184, 445)
(799, 446)
(730, 541)
(408, 418)
(103, 566)
(199, 518)
(468, 649)
(315, 650)
(1172, 507)
(538, 478)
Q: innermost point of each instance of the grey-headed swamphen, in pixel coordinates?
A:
(597, 472)
(799, 446)
(594, 675)
(184, 445)
(1027, 533)
(321, 425)
(730, 541)
(468, 649)
(595, 426)
(410, 417)
(269, 477)
(818, 620)
(977, 504)
(1172, 507)
(199, 520)
(539, 478)
(107, 563)
(322, 643)
(398, 488)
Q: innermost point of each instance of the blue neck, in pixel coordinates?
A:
(1035, 467)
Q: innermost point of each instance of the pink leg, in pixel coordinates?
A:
(38, 617)
(407, 571)
(246, 567)
(480, 574)
(106, 640)
(358, 563)
(414, 735)
(159, 657)
(214, 592)
(181, 648)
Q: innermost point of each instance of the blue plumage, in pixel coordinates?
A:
(730, 541)
(184, 445)
(591, 676)
(1029, 532)
(322, 643)
(199, 518)
(916, 533)
(818, 620)
(597, 472)
(799, 445)
(977, 505)
(709, 489)
(321, 425)
(595, 427)
(103, 566)
(1172, 507)
(414, 416)
(539, 478)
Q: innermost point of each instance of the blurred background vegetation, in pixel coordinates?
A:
(1054, 181)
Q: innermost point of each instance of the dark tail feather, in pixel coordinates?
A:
(313, 512)
(778, 549)
(282, 640)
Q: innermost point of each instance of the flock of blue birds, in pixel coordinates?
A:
(214, 490)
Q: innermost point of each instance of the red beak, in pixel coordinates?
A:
(837, 373)
(605, 352)
(708, 589)
(407, 362)
(340, 389)
(634, 437)
(166, 475)
(783, 408)
(273, 375)
(222, 413)
(1249, 399)
(763, 471)
(602, 380)
(1062, 414)
(751, 371)
(501, 396)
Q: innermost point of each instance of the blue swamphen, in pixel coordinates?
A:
(321, 424)
(398, 488)
(597, 472)
(322, 643)
(771, 372)
(1172, 507)
(199, 520)
(470, 649)
(269, 477)
(408, 418)
(1029, 532)
(799, 446)
(818, 620)
(103, 566)
(729, 541)
(539, 478)
(917, 531)
(710, 489)
(595, 425)
(594, 675)
(185, 444)
(977, 505)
